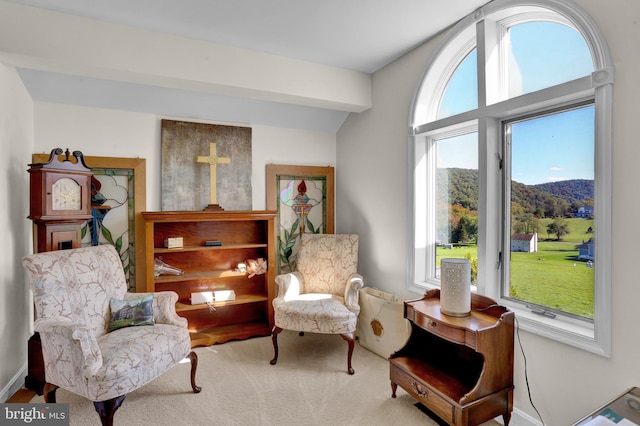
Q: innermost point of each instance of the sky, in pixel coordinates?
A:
(561, 147)
(546, 149)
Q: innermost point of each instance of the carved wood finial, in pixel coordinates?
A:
(67, 163)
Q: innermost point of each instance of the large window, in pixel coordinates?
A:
(511, 159)
(550, 160)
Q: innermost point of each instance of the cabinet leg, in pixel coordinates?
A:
(506, 417)
(394, 387)
(49, 393)
(35, 379)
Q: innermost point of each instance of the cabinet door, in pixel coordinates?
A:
(50, 236)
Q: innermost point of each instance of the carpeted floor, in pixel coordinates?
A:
(308, 386)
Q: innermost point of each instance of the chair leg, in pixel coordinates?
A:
(106, 409)
(274, 339)
(194, 366)
(49, 392)
(350, 340)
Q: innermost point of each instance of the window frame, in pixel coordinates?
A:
(487, 25)
(425, 231)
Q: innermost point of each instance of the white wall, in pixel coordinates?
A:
(16, 142)
(566, 383)
(111, 133)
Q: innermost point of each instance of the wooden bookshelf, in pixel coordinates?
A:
(243, 235)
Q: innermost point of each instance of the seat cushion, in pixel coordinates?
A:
(315, 313)
(134, 356)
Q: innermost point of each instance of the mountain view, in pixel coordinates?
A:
(543, 200)
(560, 256)
(569, 190)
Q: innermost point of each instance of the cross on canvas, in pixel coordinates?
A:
(205, 164)
(213, 161)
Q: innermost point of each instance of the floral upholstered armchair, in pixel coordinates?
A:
(75, 293)
(321, 296)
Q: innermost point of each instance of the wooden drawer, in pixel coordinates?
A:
(423, 393)
(456, 335)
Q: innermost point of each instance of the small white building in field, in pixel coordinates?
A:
(527, 243)
(586, 250)
(584, 212)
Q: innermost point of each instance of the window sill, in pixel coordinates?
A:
(580, 334)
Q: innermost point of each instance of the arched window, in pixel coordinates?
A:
(543, 54)
(461, 92)
(511, 143)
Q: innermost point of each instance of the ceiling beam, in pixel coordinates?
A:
(48, 41)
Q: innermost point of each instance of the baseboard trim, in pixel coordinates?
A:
(14, 385)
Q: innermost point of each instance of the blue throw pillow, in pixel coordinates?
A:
(127, 313)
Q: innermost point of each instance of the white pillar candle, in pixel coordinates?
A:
(455, 287)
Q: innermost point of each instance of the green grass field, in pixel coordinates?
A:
(550, 277)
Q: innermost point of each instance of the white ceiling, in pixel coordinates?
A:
(362, 35)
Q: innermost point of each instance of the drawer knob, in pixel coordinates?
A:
(432, 324)
(418, 389)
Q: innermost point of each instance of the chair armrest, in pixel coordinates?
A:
(351, 292)
(61, 334)
(164, 307)
(290, 285)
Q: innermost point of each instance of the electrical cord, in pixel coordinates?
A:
(524, 357)
(495, 305)
(526, 376)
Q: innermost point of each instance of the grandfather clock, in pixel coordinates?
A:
(60, 205)
(60, 194)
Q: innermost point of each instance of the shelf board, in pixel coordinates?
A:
(450, 386)
(204, 215)
(162, 250)
(198, 275)
(210, 336)
(239, 300)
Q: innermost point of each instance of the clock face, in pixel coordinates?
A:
(65, 194)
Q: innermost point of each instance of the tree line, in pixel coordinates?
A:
(458, 205)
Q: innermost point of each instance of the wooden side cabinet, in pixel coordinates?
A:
(459, 368)
(242, 235)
